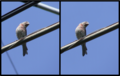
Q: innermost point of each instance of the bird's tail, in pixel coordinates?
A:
(24, 49)
(84, 49)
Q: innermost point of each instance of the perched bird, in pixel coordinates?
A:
(81, 32)
(22, 32)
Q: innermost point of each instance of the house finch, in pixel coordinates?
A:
(81, 32)
(22, 32)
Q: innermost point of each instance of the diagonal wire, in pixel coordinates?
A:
(46, 7)
(18, 10)
(11, 61)
(31, 36)
(89, 37)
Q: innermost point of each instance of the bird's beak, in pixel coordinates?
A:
(27, 24)
(86, 24)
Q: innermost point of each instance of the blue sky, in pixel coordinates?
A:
(102, 57)
(43, 52)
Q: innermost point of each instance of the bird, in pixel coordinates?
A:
(21, 32)
(80, 33)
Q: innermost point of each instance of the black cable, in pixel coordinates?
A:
(18, 10)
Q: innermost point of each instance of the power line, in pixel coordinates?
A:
(46, 7)
(35, 34)
(31, 37)
(11, 61)
(18, 10)
(91, 36)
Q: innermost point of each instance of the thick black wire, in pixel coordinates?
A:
(11, 60)
(18, 10)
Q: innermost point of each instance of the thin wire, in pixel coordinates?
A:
(11, 60)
